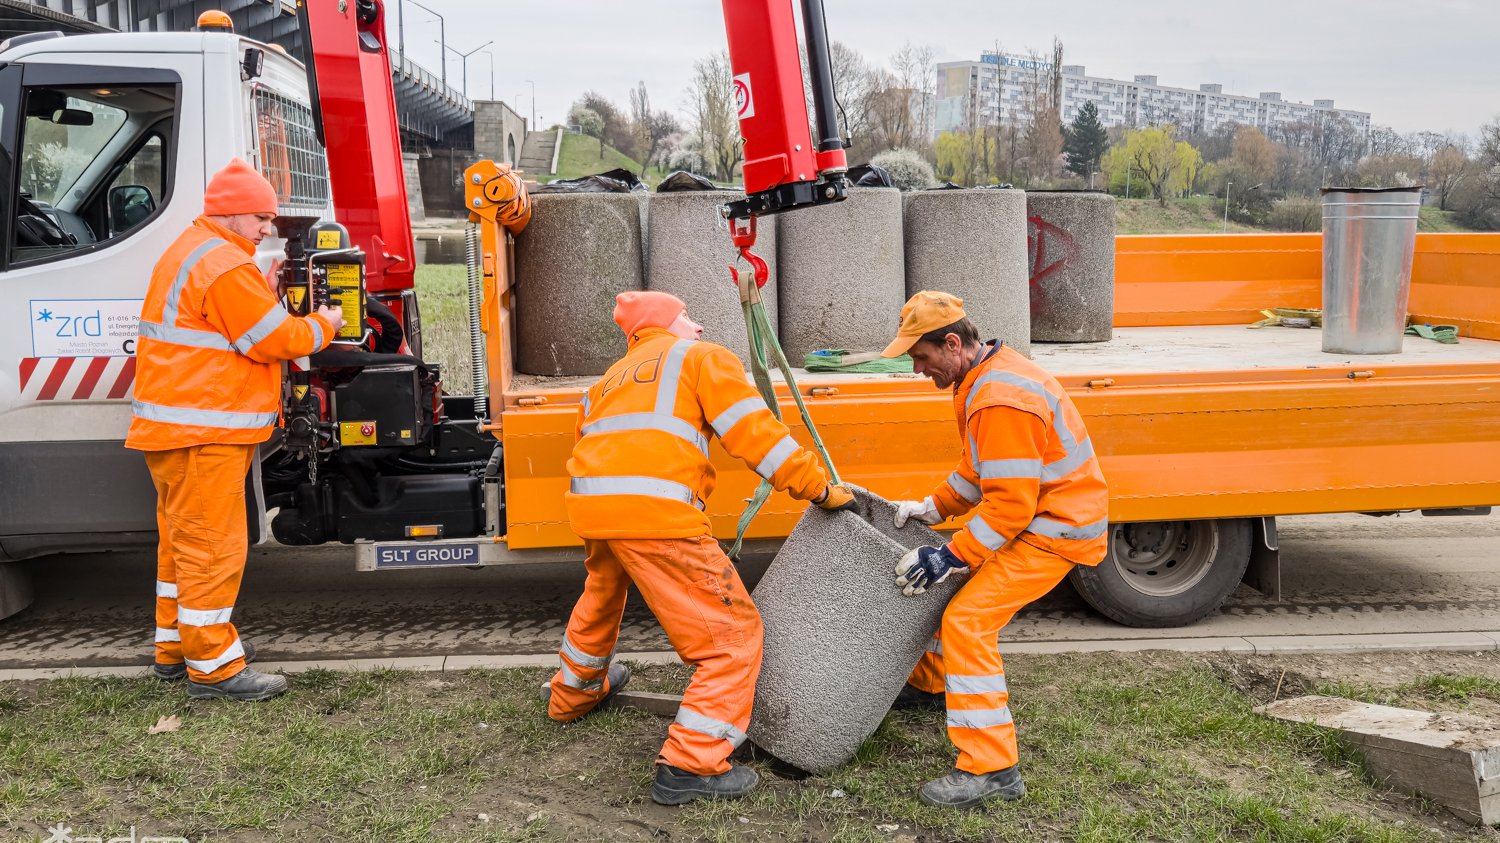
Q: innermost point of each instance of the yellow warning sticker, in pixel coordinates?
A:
(296, 295)
(300, 392)
(329, 239)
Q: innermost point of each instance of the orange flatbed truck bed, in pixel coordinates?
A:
(1206, 430)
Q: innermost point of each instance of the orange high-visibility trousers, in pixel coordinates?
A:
(963, 660)
(698, 597)
(200, 557)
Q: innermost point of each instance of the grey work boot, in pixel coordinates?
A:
(675, 786)
(245, 686)
(967, 790)
(913, 697)
(615, 679)
(172, 672)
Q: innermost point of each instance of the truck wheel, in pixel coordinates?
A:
(1167, 573)
(15, 588)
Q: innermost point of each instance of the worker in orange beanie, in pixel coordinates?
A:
(208, 389)
(640, 478)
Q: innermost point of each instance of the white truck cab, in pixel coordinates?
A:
(108, 141)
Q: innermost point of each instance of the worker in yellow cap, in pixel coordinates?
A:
(1028, 467)
(207, 391)
(640, 479)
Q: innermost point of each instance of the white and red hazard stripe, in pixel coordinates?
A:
(77, 378)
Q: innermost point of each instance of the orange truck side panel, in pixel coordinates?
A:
(1176, 445)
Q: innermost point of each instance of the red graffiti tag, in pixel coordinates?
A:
(1050, 249)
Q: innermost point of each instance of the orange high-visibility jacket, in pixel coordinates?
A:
(640, 467)
(1028, 465)
(213, 335)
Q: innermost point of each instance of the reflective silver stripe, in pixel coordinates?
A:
(664, 422)
(202, 418)
(1058, 530)
(184, 336)
(586, 405)
(979, 719)
(689, 719)
(1010, 469)
(234, 651)
(671, 374)
(167, 634)
(581, 658)
(166, 589)
(174, 295)
(777, 456)
(572, 680)
(202, 617)
(975, 684)
(317, 327)
(935, 646)
(1077, 456)
(736, 414)
(651, 487)
(966, 490)
(1053, 403)
(262, 329)
(981, 530)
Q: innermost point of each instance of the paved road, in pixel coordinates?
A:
(1342, 574)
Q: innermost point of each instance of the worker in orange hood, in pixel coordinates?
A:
(640, 479)
(207, 391)
(1028, 467)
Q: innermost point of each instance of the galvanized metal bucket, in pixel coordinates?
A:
(1369, 238)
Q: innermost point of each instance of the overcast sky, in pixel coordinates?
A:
(1413, 64)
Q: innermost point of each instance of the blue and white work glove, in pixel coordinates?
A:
(925, 511)
(924, 567)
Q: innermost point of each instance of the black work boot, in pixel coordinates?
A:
(967, 790)
(913, 697)
(245, 686)
(167, 672)
(675, 786)
(615, 679)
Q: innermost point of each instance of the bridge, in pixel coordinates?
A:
(431, 112)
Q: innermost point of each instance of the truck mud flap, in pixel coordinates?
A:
(1264, 571)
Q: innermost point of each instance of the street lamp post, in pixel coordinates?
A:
(442, 39)
(1128, 170)
(1091, 179)
(465, 57)
(1227, 185)
(401, 29)
(533, 126)
(491, 55)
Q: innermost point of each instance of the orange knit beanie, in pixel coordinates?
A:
(635, 310)
(239, 189)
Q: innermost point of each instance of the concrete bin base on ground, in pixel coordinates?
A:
(972, 243)
(843, 273)
(1071, 244)
(841, 638)
(689, 254)
(579, 251)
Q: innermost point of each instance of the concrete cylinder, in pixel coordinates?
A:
(839, 645)
(579, 252)
(1071, 245)
(843, 274)
(972, 243)
(689, 255)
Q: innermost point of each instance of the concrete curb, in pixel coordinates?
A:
(1256, 645)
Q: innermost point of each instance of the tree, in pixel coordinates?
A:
(1085, 141)
(715, 116)
(1253, 160)
(1450, 165)
(617, 129)
(1166, 165)
(648, 127)
(908, 169)
(963, 156)
(590, 123)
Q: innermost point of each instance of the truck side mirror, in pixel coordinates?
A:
(129, 205)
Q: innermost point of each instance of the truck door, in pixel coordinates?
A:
(100, 169)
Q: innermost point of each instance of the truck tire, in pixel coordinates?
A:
(1167, 573)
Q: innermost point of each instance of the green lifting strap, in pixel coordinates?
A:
(758, 327)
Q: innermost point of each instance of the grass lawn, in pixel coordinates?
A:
(1198, 215)
(1115, 748)
(443, 296)
(580, 157)
(1433, 219)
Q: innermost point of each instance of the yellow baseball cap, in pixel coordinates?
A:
(923, 312)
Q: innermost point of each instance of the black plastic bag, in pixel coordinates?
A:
(612, 181)
(870, 176)
(682, 180)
